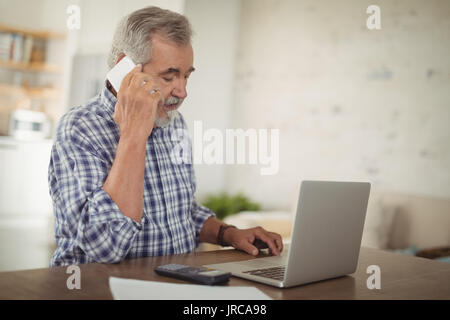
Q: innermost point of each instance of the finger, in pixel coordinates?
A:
(140, 79)
(278, 240)
(127, 79)
(248, 247)
(150, 89)
(268, 240)
(260, 244)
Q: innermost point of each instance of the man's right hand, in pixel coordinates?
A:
(137, 104)
(135, 114)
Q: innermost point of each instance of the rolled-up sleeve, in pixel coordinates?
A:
(85, 215)
(199, 215)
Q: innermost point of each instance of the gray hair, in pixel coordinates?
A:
(133, 33)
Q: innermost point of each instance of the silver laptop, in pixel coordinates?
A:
(325, 239)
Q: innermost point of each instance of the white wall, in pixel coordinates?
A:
(211, 86)
(99, 19)
(350, 103)
(21, 13)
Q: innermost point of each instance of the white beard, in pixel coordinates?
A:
(165, 122)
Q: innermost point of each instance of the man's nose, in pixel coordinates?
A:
(180, 89)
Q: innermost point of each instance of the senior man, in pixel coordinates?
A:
(116, 192)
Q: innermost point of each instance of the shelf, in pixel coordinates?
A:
(33, 33)
(31, 92)
(30, 67)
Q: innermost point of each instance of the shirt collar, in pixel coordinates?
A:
(108, 100)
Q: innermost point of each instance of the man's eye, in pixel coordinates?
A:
(167, 79)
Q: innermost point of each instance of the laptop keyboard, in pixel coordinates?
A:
(276, 273)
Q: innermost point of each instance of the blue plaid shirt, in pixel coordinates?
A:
(89, 226)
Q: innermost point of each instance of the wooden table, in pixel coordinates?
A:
(402, 277)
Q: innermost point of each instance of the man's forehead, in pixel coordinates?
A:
(171, 57)
(162, 44)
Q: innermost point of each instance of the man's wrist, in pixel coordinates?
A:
(223, 238)
(133, 139)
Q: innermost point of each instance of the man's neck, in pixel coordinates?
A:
(110, 88)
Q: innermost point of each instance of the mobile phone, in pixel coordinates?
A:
(119, 71)
(200, 275)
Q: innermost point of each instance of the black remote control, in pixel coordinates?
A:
(200, 275)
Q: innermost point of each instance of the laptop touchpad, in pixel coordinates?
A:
(262, 263)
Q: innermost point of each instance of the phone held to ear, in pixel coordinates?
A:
(119, 71)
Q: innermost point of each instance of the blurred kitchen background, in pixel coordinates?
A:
(350, 103)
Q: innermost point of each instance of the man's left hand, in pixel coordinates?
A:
(251, 240)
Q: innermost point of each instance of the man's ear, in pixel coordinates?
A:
(120, 57)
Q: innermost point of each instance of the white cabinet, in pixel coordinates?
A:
(23, 178)
(26, 243)
(26, 222)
